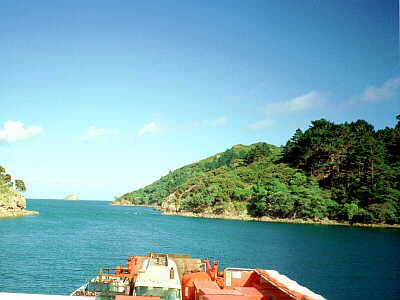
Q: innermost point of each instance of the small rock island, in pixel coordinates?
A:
(72, 197)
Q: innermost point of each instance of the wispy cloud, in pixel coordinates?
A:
(211, 123)
(14, 131)
(150, 128)
(386, 91)
(218, 122)
(93, 132)
(308, 101)
(261, 124)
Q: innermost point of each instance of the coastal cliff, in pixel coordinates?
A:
(12, 203)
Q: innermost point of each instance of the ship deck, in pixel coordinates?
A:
(22, 296)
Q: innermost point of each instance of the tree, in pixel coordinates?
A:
(359, 166)
(7, 179)
(259, 151)
(20, 185)
(280, 202)
(258, 204)
(226, 157)
(292, 152)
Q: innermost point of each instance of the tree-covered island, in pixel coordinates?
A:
(347, 173)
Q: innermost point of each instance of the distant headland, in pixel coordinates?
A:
(72, 197)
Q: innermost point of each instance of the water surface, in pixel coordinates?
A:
(56, 251)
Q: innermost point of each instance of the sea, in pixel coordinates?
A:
(57, 251)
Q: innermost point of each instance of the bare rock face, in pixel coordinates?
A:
(125, 202)
(72, 197)
(12, 203)
(170, 204)
(20, 202)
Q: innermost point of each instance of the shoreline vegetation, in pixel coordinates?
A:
(337, 174)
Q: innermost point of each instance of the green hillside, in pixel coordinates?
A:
(235, 181)
(344, 172)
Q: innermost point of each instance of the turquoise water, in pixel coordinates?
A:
(56, 251)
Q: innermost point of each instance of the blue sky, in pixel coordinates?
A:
(98, 98)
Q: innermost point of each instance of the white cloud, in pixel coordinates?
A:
(261, 124)
(14, 131)
(387, 90)
(308, 101)
(93, 131)
(151, 128)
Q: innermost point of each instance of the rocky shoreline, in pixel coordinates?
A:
(156, 207)
(17, 214)
(274, 220)
(246, 217)
(13, 204)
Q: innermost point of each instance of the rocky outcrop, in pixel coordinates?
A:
(12, 203)
(171, 203)
(124, 202)
(72, 197)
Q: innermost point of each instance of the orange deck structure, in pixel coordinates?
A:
(202, 280)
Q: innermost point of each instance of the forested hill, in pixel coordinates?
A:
(344, 172)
